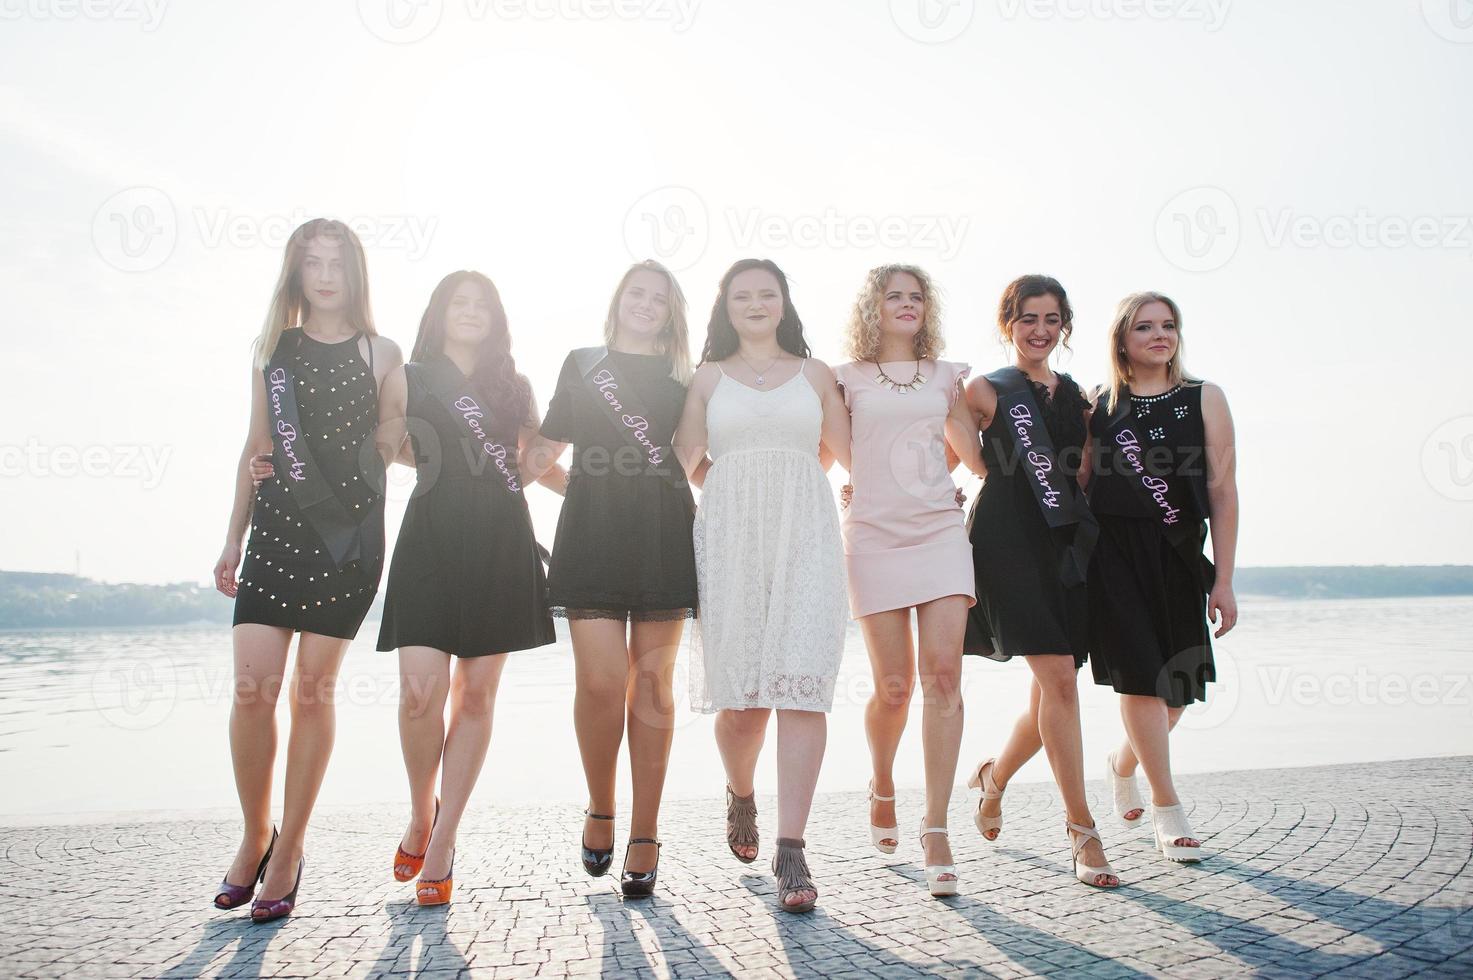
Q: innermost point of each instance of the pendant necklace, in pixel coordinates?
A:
(761, 380)
(900, 386)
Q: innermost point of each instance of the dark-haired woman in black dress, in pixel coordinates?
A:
(1031, 536)
(1164, 470)
(623, 563)
(316, 544)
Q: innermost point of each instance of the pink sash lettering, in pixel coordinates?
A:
(1157, 487)
(471, 414)
(284, 428)
(1023, 425)
(637, 425)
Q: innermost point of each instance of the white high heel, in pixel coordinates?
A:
(1088, 875)
(1127, 795)
(878, 835)
(939, 888)
(1170, 824)
(982, 779)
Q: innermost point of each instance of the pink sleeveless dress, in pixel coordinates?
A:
(905, 539)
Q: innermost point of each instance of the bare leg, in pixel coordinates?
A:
(1024, 742)
(1148, 726)
(601, 658)
(260, 665)
(739, 737)
(424, 683)
(892, 661)
(472, 703)
(1058, 724)
(801, 737)
(941, 624)
(1125, 760)
(314, 724)
(650, 705)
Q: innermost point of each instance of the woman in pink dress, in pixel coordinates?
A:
(905, 542)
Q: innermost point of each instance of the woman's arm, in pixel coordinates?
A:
(690, 440)
(391, 436)
(1222, 495)
(962, 444)
(836, 433)
(980, 404)
(258, 440)
(555, 476)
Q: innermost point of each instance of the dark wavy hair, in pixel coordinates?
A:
(722, 340)
(1024, 288)
(507, 394)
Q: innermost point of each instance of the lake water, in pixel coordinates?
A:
(100, 721)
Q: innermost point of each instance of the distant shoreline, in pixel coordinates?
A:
(38, 600)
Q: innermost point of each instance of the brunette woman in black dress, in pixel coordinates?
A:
(623, 563)
(1164, 471)
(316, 544)
(1031, 537)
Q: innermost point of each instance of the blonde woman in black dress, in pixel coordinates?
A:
(623, 565)
(312, 564)
(1164, 473)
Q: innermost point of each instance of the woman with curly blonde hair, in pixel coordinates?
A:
(905, 542)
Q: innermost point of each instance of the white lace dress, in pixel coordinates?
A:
(769, 558)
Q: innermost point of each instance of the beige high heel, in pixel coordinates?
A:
(1127, 795)
(879, 835)
(938, 887)
(982, 779)
(1170, 825)
(1088, 875)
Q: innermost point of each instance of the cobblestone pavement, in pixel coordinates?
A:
(1344, 871)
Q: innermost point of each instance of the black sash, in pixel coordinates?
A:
(620, 402)
(294, 463)
(454, 392)
(1153, 492)
(1060, 503)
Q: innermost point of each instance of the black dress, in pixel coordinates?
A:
(1148, 584)
(624, 545)
(467, 575)
(1023, 607)
(288, 577)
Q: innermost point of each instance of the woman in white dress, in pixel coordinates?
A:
(769, 559)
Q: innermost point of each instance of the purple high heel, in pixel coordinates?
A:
(268, 910)
(237, 895)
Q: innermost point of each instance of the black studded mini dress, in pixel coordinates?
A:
(288, 577)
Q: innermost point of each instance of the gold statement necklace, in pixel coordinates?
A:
(900, 386)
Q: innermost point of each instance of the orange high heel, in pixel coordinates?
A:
(439, 890)
(415, 862)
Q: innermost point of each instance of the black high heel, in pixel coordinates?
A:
(597, 860)
(639, 884)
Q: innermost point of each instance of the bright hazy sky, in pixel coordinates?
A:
(1295, 174)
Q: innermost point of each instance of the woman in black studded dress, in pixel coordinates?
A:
(312, 562)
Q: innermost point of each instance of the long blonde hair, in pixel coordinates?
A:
(289, 305)
(674, 338)
(1125, 314)
(862, 335)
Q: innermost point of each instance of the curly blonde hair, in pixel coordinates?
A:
(862, 335)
